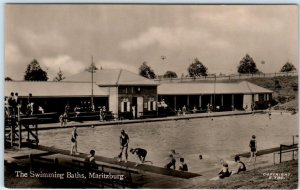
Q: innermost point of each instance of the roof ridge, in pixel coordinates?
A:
(118, 79)
(248, 87)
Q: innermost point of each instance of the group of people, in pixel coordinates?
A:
(140, 154)
(172, 162)
(102, 113)
(63, 119)
(240, 166)
(13, 106)
(225, 172)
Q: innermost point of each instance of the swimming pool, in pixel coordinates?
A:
(214, 139)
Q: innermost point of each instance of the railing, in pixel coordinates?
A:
(225, 77)
(286, 149)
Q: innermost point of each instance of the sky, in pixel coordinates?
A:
(65, 37)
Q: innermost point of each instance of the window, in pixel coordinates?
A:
(151, 104)
(125, 105)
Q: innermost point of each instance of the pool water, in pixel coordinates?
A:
(215, 139)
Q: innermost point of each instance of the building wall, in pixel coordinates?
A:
(129, 96)
(247, 102)
(113, 99)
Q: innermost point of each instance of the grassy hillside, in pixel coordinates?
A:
(282, 86)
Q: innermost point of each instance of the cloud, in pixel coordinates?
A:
(69, 66)
(66, 63)
(15, 61)
(167, 37)
(49, 42)
(116, 65)
(12, 54)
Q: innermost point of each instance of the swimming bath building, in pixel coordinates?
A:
(122, 91)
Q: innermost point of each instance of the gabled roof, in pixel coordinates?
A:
(53, 89)
(243, 87)
(112, 77)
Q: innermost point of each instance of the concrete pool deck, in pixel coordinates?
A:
(147, 175)
(121, 122)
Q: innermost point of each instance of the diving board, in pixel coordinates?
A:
(147, 168)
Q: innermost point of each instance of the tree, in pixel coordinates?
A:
(288, 67)
(146, 71)
(34, 72)
(197, 69)
(170, 74)
(8, 79)
(247, 66)
(60, 76)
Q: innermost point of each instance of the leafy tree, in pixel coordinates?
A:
(247, 65)
(288, 67)
(34, 72)
(60, 76)
(170, 74)
(277, 84)
(8, 79)
(92, 68)
(146, 71)
(197, 69)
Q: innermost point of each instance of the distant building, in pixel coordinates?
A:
(120, 91)
(123, 92)
(127, 91)
(225, 95)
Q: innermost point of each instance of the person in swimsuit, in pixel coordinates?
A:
(240, 165)
(224, 171)
(183, 166)
(124, 140)
(74, 141)
(253, 148)
(90, 161)
(140, 153)
(172, 162)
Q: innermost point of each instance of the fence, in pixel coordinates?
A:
(225, 77)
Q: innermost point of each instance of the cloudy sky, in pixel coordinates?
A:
(124, 36)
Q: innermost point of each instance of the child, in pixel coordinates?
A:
(240, 165)
(253, 148)
(183, 166)
(90, 159)
(224, 171)
(172, 162)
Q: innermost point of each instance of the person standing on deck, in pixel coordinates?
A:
(253, 148)
(11, 104)
(74, 141)
(101, 114)
(183, 110)
(124, 141)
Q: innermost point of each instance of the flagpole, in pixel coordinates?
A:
(92, 97)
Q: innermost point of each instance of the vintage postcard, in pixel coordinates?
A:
(151, 96)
